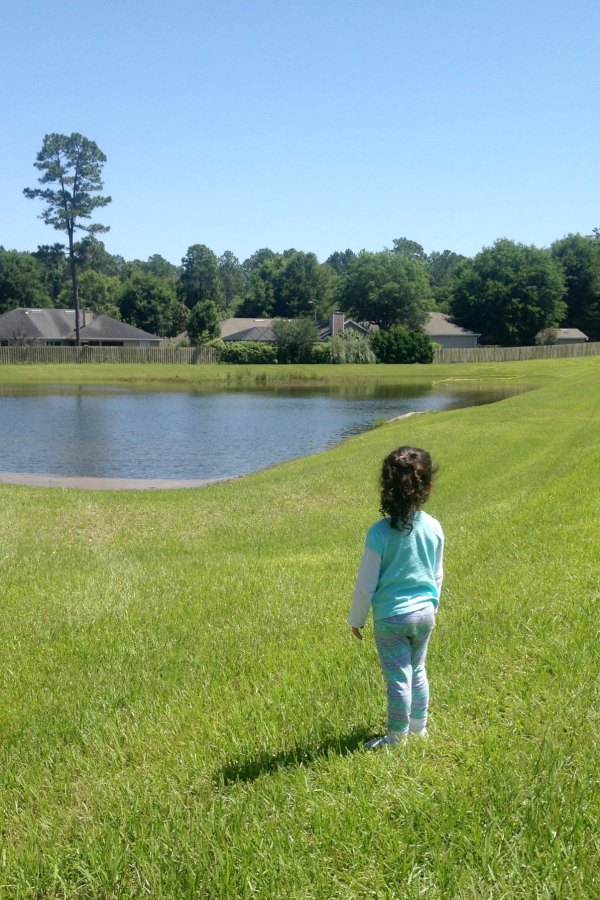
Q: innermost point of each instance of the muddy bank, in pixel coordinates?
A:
(105, 484)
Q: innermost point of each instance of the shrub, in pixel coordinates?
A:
(176, 343)
(247, 352)
(397, 345)
(348, 347)
(321, 352)
(546, 337)
(295, 339)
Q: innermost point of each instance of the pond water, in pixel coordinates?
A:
(121, 432)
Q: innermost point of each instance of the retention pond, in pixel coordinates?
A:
(130, 433)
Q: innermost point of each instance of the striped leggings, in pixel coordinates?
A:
(402, 646)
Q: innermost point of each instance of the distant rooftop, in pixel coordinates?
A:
(571, 334)
(247, 330)
(30, 324)
(441, 324)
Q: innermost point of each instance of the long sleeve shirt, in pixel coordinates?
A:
(400, 572)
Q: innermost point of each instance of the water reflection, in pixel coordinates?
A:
(167, 432)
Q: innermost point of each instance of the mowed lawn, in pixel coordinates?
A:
(182, 707)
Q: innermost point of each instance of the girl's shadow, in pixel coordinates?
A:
(264, 763)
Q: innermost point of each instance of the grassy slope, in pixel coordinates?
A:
(181, 698)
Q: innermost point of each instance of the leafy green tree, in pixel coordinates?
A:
(150, 303)
(508, 293)
(405, 247)
(295, 339)
(386, 289)
(22, 281)
(286, 285)
(579, 259)
(92, 255)
(442, 269)
(340, 261)
(55, 268)
(160, 267)
(261, 272)
(203, 323)
(397, 345)
(199, 278)
(300, 285)
(153, 271)
(71, 167)
(98, 292)
(264, 255)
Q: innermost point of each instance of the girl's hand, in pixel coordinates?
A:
(356, 632)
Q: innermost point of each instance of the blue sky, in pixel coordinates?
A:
(314, 125)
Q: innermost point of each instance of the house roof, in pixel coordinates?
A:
(325, 330)
(32, 324)
(231, 327)
(440, 324)
(256, 333)
(242, 329)
(261, 329)
(108, 329)
(570, 334)
(59, 324)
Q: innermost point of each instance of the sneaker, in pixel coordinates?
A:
(388, 740)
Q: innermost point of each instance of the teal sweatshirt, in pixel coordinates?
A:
(400, 572)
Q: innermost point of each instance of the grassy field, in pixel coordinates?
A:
(234, 375)
(183, 707)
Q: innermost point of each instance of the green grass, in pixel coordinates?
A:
(183, 706)
(239, 375)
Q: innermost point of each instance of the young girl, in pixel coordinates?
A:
(400, 577)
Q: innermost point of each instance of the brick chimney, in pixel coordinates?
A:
(336, 323)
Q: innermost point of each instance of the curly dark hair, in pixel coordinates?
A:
(406, 477)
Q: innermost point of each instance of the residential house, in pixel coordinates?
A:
(337, 323)
(441, 330)
(56, 327)
(438, 327)
(262, 329)
(570, 336)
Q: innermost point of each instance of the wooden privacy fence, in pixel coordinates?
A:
(87, 354)
(195, 355)
(513, 354)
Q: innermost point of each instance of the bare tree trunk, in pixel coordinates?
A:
(74, 285)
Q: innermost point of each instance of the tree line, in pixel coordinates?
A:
(510, 293)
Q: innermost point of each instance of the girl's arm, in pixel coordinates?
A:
(366, 584)
(438, 571)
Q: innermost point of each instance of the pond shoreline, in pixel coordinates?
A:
(93, 483)
(96, 483)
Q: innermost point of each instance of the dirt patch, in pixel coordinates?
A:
(106, 484)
